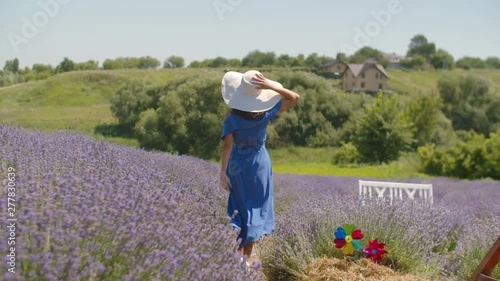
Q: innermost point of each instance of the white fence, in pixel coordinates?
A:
(395, 190)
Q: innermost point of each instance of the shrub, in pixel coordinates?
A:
(147, 131)
(346, 154)
(381, 132)
(469, 103)
(10, 78)
(129, 101)
(316, 120)
(423, 113)
(182, 116)
(474, 157)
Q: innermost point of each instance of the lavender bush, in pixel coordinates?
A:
(448, 239)
(90, 210)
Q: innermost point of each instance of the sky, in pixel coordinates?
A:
(46, 31)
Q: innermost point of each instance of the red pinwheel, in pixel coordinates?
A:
(375, 250)
(347, 239)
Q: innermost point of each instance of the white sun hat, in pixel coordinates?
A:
(240, 93)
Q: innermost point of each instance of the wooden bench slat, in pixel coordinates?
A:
(488, 264)
(482, 277)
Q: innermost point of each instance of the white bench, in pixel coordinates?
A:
(395, 190)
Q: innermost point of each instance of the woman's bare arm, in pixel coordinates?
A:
(291, 97)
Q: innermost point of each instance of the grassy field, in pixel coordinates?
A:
(317, 161)
(411, 81)
(79, 101)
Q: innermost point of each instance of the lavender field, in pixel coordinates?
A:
(90, 210)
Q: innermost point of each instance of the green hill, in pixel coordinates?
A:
(80, 100)
(411, 81)
(74, 100)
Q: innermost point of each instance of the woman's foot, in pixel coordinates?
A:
(244, 263)
(254, 262)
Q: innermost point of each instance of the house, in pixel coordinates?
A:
(367, 77)
(394, 61)
(334, 68)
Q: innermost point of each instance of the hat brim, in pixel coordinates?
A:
(237, 97)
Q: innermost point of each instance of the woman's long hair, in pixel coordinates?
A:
(248, 115)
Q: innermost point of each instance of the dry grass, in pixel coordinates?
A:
(333, 269)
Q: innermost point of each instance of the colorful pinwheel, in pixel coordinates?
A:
(347, 239)
(375, 250)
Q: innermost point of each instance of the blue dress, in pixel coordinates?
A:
(250, 173)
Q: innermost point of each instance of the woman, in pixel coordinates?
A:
(246, 167)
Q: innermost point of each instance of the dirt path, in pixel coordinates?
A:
(12, 86)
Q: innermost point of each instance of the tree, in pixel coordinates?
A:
(441, 59)
(417, 42)
(112, 64)
(39, 71)
(324, 59)
(382, 132)
(147, 62)
(195, 64)
(191, 124)
(15, 65)
(317, 118)
(172, 123)
(417, 62)
(39, 68)
(423, 113)
(297, 61)
(312, 61)
(129, 102)
(11, 66)
(89, 65)
(218, 62)
(468, 103)
(65, 66)
(419, 45)
(471, 62)
(283, 60)
(365, 53)
(182, 116)
(493, 62)
(258, 59)
(233, 62)
(130, 63)
(341, 57)
(147, 130)
(173, 62)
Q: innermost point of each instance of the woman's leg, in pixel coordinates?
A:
(247, 249)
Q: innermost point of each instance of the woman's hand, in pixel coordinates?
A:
(261, 82)
(225, 182)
